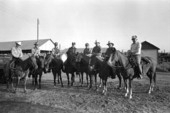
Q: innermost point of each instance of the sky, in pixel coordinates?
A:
(81, 21)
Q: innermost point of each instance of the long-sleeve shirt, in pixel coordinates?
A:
(71, 51)
(35, 51)
(136, 48)
(96, 49)
(55, 51)
(87, 51)
(16, 52)
(109, 51)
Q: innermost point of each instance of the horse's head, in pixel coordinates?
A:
(114, 57)
(79, 57)
(47, 61)
(33, 62)
(95, 62)
(41, 61)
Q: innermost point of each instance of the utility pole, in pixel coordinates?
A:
(37, 29)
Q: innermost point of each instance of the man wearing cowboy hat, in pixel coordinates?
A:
(55, 50)
(97, 49)
(109, 50)
(35, 51)
(16, 54)
(72, 49)
(87, 51)
(135, 51)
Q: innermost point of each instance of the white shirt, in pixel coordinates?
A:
(35, 51)
(17, 52)
(136, 48)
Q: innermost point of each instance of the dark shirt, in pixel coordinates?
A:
(87, 51)
(71, 51)
(109, 51)
(96, 49)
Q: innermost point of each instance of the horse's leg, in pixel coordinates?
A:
(72, 79)
(150, 86)
(130, 88)
(17, 83)
(154, 79)
(59, 74)
(54, 76)
(126, 87)
(95, 77)
(87, 79)
(90, 76)
(105, 87)
(35, 81)
(68, 79)
(120, 80)
(81, 78)
(25, 82)
(40, 76)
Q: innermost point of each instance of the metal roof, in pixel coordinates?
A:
(26, 44)
(147, 45)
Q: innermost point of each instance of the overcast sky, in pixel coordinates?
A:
(84, 21)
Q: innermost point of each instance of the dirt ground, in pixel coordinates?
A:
(78, 99)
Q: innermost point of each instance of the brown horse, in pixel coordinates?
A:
(105, 71)
(56, 64)
(130, 71)
(37, 74)
(82, 64)
(70, 68)
(20, 71)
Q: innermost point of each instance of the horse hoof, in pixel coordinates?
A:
(25, 91)
(130, 97)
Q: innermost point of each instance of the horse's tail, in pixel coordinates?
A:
(154, 78)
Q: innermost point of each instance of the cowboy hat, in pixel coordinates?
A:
(36, 43)
(18, 43)
(109, 43)
(134, 37)
(73, 43)
(96, 42)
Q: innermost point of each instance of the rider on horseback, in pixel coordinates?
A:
(97, 49)
(56, 50)
(71, 53)
(36, 51)
(16, 54)
(87, 51)
(135, 52)
(108, 52)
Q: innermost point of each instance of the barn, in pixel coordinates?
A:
(45, 45)
(150, 50)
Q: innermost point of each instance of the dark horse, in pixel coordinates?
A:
(70, 68)
(20, 71)
(56, 64)
(130, 72)
(37, 74)
(82, 64)
(105, 71)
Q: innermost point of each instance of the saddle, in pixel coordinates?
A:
(146, 60)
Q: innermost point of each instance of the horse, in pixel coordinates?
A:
(56, 64)
(105, 71)
(20, 71)
(82, 64)
(38, 72)
(130, 72)
(70, 68)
